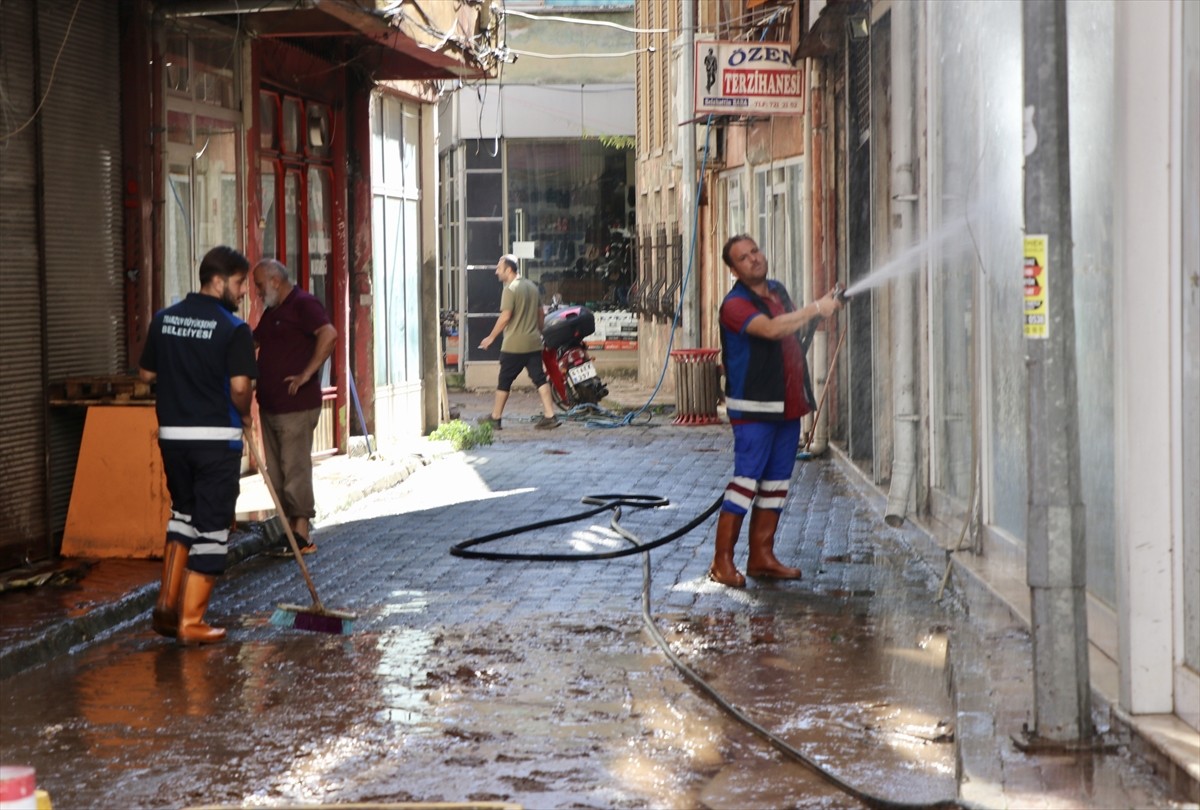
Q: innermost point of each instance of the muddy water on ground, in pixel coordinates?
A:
(555, 709)
(548, 714)
(562, 716)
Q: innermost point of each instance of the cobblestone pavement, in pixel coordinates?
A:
(536, 682)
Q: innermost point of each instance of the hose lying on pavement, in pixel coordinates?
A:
(604, 502)
(614, 503)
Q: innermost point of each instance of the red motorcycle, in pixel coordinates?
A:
(571, 370)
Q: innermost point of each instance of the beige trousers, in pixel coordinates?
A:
(288, 440)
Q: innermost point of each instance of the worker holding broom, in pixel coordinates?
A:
(767, 393)
(201, 356)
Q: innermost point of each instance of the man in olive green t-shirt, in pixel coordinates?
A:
(521, 321)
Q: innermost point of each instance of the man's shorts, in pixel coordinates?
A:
(765, 451)
(511, 364)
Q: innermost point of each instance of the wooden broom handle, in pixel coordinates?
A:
(287, 526)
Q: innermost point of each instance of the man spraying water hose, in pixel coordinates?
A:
(767, 392)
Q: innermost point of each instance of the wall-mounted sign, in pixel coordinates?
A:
(1037, 293)
(747, 78)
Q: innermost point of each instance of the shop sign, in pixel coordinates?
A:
(747, 78)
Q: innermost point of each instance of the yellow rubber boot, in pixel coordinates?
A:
(723, 571)
(165, 618)
(762, 562)
(192, 606)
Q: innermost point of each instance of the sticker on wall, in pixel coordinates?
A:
(1037, 304)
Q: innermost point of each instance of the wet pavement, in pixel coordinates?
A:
(537, 683)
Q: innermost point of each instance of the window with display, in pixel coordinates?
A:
(203, 178)
(569, 209)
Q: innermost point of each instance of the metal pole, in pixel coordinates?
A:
(1056, 569)
(689, 322)
(903, 211)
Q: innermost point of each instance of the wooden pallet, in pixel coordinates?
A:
(110, 388)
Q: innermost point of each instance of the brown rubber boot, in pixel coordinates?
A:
(192, 605)
(762, 562)
(723, 571)
(165, 618)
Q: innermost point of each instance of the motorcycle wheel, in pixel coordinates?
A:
(559, 402)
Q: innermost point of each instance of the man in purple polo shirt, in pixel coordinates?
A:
(294, 338)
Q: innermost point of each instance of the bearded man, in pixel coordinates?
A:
(294, 339)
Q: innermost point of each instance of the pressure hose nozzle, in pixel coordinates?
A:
(839, 292)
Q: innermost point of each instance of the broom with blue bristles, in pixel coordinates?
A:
(316, 617)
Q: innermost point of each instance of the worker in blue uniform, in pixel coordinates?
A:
(201, 357)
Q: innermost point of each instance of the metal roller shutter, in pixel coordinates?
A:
(23, 516)
(62, 311)
(81, 154)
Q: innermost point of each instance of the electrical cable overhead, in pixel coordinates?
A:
(580, 21)
(612, 55)
(53, 70)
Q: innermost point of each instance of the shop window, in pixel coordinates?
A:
(780, 219)
(320, 244)
(292, 224)
(396, 259)
(660, 271)
(645, 275)
(669, 303)
(268, 177)
(320, 223)
(179, 127)
(178, 272)
(292, 120)
(203, 184)
(484, 195)
(487, 195)
(319, 131)
(214, 169)
(482, 155)
(735, 207)
(213, 68)
(175, 65)
(484, 243)
(569, 199)
(268, 121)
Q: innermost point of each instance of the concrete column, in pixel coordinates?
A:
(1056, 568)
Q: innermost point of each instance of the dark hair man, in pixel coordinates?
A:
(767, 392)
(521, 320)
(202, 357)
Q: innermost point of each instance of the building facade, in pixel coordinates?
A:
(904, 180)
(139, 134)
(539, 163)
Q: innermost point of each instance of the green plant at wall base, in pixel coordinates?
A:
(461, 435)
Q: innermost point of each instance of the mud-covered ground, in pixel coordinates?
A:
(537, 683)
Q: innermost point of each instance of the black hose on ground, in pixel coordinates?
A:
(603, 503)
(615, 502)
